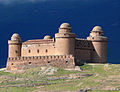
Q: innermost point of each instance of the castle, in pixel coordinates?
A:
(64, 50)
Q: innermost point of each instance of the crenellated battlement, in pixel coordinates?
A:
(40, 57)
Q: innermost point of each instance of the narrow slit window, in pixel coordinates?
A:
(29, 51)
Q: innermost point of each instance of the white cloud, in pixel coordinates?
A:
(19, 1)
(35, 1)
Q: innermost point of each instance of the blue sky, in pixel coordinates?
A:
(33, 19)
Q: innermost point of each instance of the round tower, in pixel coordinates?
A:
(47, 37)
(15, 46)
(65, 40)
(99, 42)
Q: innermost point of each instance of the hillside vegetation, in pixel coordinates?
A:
(92, 78)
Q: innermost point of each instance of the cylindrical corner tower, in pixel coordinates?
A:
(65, 40)
(15, 46)
(99, 41)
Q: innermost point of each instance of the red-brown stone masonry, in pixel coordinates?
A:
(17, 63)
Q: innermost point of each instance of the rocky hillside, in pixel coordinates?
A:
(91, 78)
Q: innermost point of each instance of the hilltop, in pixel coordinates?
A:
(92, 78)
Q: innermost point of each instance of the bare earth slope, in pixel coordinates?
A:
(93, 78)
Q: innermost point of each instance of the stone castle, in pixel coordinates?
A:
(63, 51)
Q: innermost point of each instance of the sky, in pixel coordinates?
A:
(33, 19)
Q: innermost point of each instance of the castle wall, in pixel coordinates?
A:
(38, 49)
(19, 63)
(83, 55)
(83, 50)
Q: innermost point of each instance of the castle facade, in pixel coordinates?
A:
(64, 50)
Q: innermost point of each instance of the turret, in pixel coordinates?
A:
(99, 42)
(15, 46)
(47, 37)
(65, 40)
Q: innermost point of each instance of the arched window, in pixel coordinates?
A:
(48, 61)
(30, 62)
(46, 51)
(29, 51)
(16, 51)
(38, 51)
(66, 61)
